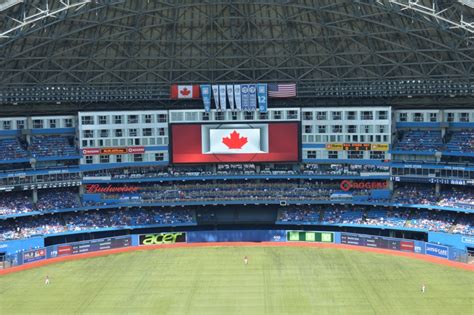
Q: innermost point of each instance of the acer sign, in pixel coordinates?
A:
(98, 189)
(347, 185)
(227, 143)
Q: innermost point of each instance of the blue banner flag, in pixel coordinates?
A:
(244, 91)
(206, 96)
(252, 97)
(262, 97)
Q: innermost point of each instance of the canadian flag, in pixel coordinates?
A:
(234, 141)
(185, 92)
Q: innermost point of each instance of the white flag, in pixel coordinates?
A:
(222, 96)
(215, 94)
(230, 96)
(238, 99)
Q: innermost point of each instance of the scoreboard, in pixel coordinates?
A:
(377, 242)
(309, 236)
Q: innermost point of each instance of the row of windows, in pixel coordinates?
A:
(124, 142)
(121, 119)
(233, 115)
(433, 117)
(346, 129)
(118, 133)
(119, 158)
(433, 172)
(373, 155)
(345, 138)
(349, 115)
(38, 124)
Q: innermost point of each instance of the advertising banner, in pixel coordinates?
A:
(206, 96)
(244, 91)
(230, 96)
(437, 250)
(262, 97)
(252, 97)
(64, 250)
(237, 97)
(223, 96)
(215, 95)
(334, 147)
(214, 143)
(113, 151)
(34, 255)
(162, 238)
(379, 147)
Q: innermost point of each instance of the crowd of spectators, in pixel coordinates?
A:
(49, 199)
(344, 169)
(459, 197)
(238, 169)
(15, 203)
(12, 149)
(448, 222)
(431, 221)
(92, 220)
(235, 190)
(48, 146)
(461, 141)
(420, 140)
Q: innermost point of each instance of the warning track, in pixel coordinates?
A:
(426, 258)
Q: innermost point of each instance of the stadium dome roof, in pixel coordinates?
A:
(113, 49)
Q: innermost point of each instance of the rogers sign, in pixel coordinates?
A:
(94, 189)
(347, 185)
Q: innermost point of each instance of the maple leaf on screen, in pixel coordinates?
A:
(185, 92)
(235, 141)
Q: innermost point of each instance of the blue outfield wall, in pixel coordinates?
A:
(455, 240)
(15, 246)
(237, 236)
(25, 251)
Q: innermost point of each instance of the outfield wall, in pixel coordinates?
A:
(31, 250)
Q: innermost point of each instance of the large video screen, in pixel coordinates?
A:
(229, 143)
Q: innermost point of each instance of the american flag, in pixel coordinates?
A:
(281, 90)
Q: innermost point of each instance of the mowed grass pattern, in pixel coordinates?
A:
(214, 280)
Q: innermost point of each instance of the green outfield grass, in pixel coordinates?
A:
(214, 280)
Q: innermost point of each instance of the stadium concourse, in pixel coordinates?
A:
(140, 123)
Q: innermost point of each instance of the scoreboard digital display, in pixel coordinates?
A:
(98, 245)
(309, 236)
(377, 242)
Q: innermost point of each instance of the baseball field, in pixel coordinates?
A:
(215, 280)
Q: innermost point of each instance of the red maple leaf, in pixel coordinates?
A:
(235, 141)
(185, 91)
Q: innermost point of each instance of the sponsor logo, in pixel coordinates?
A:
(346, 185)
(163, 238)
(467, 240)
(436, 250)
(95, 188)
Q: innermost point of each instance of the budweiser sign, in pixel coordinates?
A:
(347, 185)
(95, 189)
